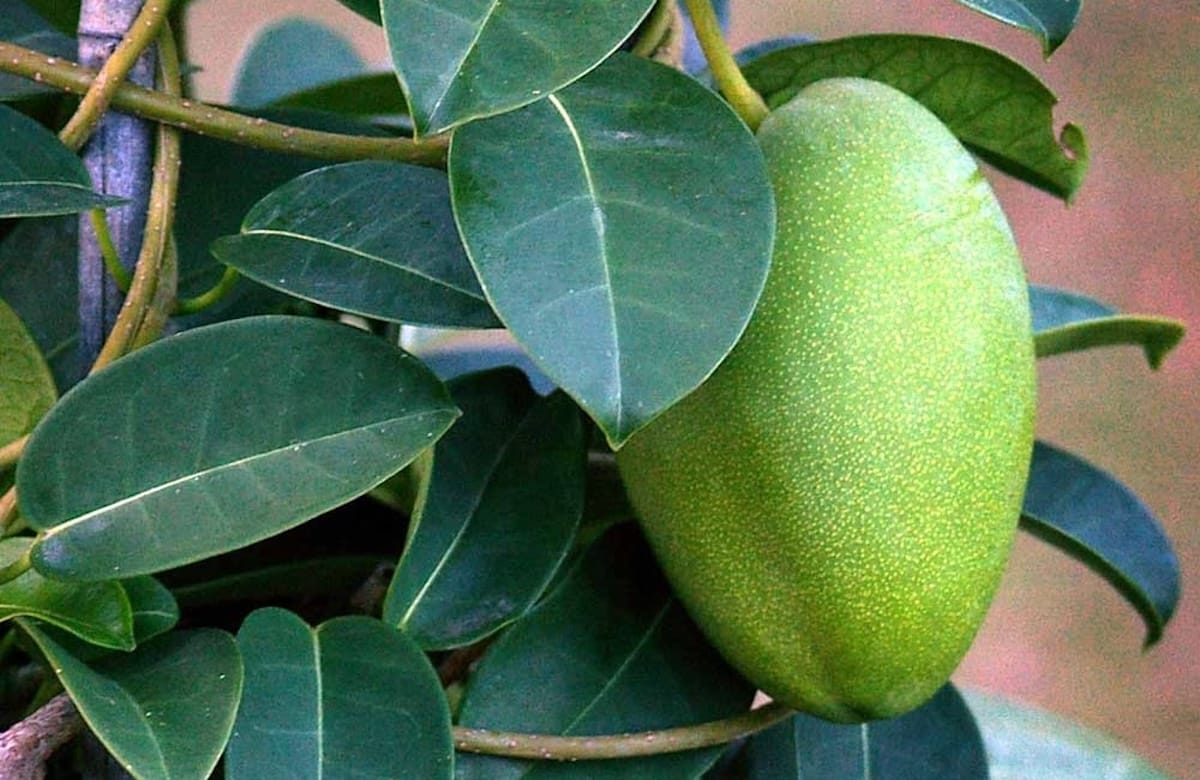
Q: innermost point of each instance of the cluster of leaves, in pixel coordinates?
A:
(257, 469)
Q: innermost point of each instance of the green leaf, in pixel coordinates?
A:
(352, 698)
(1000, 110)
(609, 651)
(622, 230)
(1024, 743)
(166, 709)
(155, 611)
(218, 185)
(937, 740)
(96, 612)
(464, 59)
(218, 437)
(303, 579)
(63, 14)
(324, 237)
(21, 25)
(26, 386)
(280, 61)
(38, 279)
(1050, 20)
(368, 9)
(1065, 321)
(1092, 517)
(498, 515)
(39, 176)
(370, 94)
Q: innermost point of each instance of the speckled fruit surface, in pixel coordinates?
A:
(836, 504)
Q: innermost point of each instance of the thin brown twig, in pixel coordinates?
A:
(26, 746)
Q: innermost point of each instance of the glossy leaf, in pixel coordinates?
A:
(219, 437)
(165, 710)
(609, 651)
(497, 516)
(26, 386)
(622, 230)
(39, 176)
(373, 238)
(155, 611)
(280, 61)
(938, 740)
(1000, 110)
(351, 698)
(63, 14)
(96, 612)
(1065, 321)
(464, 59)
(1092, 517)
(1025, 743)
(1050, 20)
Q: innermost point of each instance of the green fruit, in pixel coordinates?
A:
(836, 504)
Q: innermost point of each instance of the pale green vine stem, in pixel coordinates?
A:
(140, 303)
(99, 95)
(548, 747)
(221, 124)
(10, 453)
(210, 296)
(733, 85)
(108, 250)
(655, 29)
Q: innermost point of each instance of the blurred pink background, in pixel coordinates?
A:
(1130, 76)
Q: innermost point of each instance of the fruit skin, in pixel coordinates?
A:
(836, 503)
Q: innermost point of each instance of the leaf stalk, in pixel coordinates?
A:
(549, 747)
(749, 105)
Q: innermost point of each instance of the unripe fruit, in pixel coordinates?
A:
(836, 504)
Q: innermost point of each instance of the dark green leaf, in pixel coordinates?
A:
(38, 279)
(166, 709)
(283, 59)
(218, 437)
(372, 94)
(1000, 110)
(218, 185)
(23, 26)
(609, 651)
(1095, 519)
(39, 176)
(464, 59)
(96, 612)
(498, 515)
(1049, 20)
(352, 698)
(374, 238)
(154, 609)
(304, 579)
(368, 9)
(1024, 743)
(26, 387)
(63, 14)
(1068, 322)
(622, 230)
(938, 740)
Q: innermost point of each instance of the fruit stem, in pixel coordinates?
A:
(551, 747)
(733, 85)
